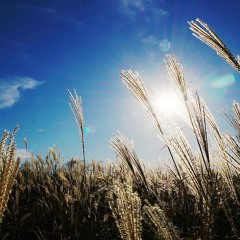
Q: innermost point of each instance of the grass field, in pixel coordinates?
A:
(197, 198)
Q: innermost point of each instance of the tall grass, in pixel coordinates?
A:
(8, 168)
(196, 198)
(77, 111)
(126, 209)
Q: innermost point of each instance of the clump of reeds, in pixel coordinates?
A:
(205, 172)
(126, 209)
(54, 201)
(124, 149)
(203, 32)
(163, 227)
(8, 168)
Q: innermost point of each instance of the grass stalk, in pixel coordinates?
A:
(77, 111)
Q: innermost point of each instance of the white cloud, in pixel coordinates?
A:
(10, 90)
(23, 154)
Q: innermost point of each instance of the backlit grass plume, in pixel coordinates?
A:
(234, 142)
(8, 168)
(124, 148)
(163, 227)
(77, 111)
(126, 209)
(134, 83)
(176, 74)
(203, 32)
(234, 119)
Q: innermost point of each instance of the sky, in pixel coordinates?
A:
(47, 47)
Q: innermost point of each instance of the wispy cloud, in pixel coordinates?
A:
(10, 90)
(137, 4)
(41, 130)
(150, 7)
(150, 40)
(159, 12)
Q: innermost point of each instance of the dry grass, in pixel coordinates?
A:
(203, 32)
(197, 198)
(163, 226)
(126, 209)
(207, 171)
(8, 169)
(77, 112)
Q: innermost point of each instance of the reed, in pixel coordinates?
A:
(126, 209)
(196, 198)
(206, 34)
(77, 111)
(8, 168)
(207, 172)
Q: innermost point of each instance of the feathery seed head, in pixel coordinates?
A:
(203, 32)
(176, 75)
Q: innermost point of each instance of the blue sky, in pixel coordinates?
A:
(48, 46)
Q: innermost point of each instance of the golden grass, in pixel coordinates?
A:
(8, 168)
(77, 112)
(197, 198)
(203, 32)
(126, 209)
(207, 178)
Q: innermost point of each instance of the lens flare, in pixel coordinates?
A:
(89, 130)
(223, 81)
(164, 45)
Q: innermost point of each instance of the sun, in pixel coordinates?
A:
(168, 104)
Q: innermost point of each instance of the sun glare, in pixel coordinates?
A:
(168, 104)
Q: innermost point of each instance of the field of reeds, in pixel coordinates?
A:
(197, 198)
